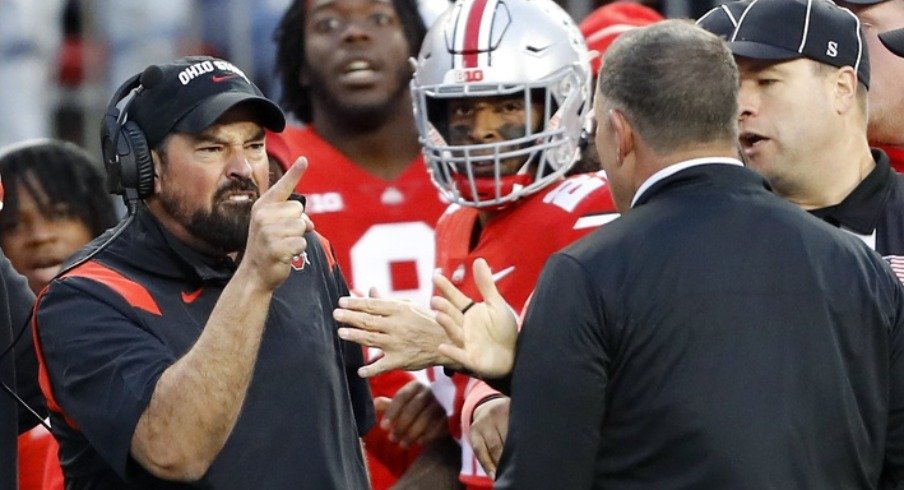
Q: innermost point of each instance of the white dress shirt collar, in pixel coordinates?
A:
(677, 167)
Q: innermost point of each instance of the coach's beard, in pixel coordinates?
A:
(225, 227)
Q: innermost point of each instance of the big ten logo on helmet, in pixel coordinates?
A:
(207, 66)
(469, 76)
(328, 202)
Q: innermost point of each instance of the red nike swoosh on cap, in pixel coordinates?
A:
(188, 298)
(221, 78)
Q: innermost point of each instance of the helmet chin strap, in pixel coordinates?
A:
(486, 186)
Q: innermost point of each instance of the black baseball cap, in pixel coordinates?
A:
(863, 2)
(723, 19)
(788, 29)
(191, 93)
(894, 41)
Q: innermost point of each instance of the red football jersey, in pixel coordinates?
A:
(381, 230)
(515, 243)
(382, 233)
(895, 157)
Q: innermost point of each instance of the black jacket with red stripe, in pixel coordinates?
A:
(108, 328)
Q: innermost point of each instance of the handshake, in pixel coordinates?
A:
(455, 331)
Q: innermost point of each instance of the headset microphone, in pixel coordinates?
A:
(151, 76)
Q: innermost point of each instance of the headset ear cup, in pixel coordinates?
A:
(137, 167)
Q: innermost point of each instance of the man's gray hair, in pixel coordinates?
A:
(675, 83)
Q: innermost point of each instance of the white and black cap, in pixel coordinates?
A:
(788, 29)
(723, 20)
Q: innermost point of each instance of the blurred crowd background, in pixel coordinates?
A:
(61, 59)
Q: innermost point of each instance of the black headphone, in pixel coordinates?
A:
(127, 158)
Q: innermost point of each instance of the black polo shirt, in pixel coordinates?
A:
(108, 329)
(874, 210)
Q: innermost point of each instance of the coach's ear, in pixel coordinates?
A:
(624, 136)
(156, 162)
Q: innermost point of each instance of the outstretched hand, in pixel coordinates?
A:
(406, 332)
(482, 339)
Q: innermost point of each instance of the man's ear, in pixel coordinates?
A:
(624, 134)
(155, 161)
(844, 85)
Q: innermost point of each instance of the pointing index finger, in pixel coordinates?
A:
(282, 189)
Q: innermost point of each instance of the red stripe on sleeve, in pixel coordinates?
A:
(43, 376)
(135, 294)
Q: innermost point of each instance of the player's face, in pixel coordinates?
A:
(207, 182)
(886, 98)
(785, 120)
(482, 120)
(356, 57)
(37, 243)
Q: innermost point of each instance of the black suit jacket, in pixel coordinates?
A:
(715, 336)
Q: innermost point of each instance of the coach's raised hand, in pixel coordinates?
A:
(277, 229)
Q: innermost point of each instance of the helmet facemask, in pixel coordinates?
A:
(527, 49)
(519, 160)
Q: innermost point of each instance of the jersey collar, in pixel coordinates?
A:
(861, 209)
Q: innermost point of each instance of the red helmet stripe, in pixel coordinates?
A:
(472, 34)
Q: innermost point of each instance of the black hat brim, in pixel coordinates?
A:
(206, 114)
(894, 41)
(760, 51)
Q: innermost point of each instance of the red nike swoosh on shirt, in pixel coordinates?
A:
(221, 78)
(189, 298)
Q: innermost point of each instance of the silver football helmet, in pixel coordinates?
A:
(492, 48)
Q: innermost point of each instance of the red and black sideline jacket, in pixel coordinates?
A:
(107, 329)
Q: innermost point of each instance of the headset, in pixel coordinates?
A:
(127, 158)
